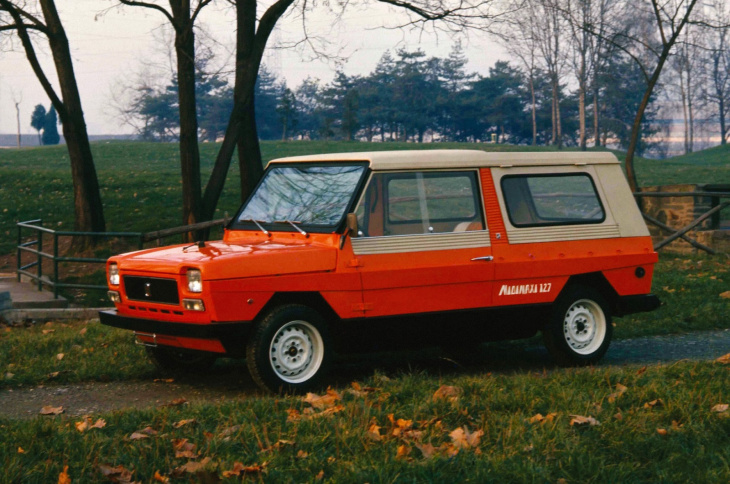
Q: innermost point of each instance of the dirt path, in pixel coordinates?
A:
(231, 382)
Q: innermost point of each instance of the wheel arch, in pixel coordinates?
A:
(312, 299)
(597, 281)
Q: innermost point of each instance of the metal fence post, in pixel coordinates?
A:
(40, 260)
(17, 259)
(55, 265)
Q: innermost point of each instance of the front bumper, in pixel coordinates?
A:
(640, 303)
(231, 335)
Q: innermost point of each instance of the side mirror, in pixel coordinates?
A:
(352, 224)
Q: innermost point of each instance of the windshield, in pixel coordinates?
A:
(304, 194)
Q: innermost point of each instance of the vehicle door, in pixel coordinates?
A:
(423, 244)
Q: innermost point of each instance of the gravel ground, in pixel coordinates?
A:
(231, 382)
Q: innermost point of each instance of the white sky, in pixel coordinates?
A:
(110, 48)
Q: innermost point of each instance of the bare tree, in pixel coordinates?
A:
(716, 83)
(17, 100)
(687, 63)
(23, 20)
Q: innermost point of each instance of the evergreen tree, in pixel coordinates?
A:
(38, 120)
(287, 111)
(50, 128)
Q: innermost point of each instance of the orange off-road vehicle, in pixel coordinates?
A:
(342, 252)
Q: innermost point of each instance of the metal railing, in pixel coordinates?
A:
(34, 269)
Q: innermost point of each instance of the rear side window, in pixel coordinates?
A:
(535, 200)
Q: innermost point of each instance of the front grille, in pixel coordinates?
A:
(151, 289)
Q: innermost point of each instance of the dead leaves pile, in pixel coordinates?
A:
(320, 406)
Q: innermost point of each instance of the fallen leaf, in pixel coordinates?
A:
(175, 403)
(327, 400)
(53, 374)
(86, 424)
(83, 331)
(676, 425)
(373, 433)
(164, 380)
(662, 431)
(538, 418)
(160, 478)
(619, 416)
(654, 403)
(725, 359)
(427, 450)
(579, 420)
(463, 439)
(143, 434)
(720, 408)
(48, 410)
(184, 449)
(293, 415)
(402, 452)
(331, 460)
(229, 430)
(302, 455)
(116, 474)
(63, 477)
(725, 295)
(60, 356)
(184, 422)
(448, 393)
(400, 425)
(193, 466)
(640, 370)
(48, 331)
(239, 468)
(20, 450)
(620, 390)
(320, 476)
(9, 376)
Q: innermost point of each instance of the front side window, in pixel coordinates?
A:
(310, 195)
(534, 200)
(420, 203)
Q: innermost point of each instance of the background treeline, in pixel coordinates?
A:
(408, 97)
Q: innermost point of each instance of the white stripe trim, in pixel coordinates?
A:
(420, 242)
(563, 233)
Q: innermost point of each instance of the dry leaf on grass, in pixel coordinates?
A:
(654, 403)
(539, 418)
(184, 449)
(163, 380)
(184, 422)
(403, 452)
(143, 434)
(48, 331)
(227, 432)
(83, 331)
(725, 295)
(320, 476)
(116, 474)
(175, 403)
(240, 469)
(63, 477)
(720, 408)
(86, 424)
(662, 431)
(160, 478)
(580, 420)
(725, 359)
(324, 401)
(448, 393)
(620, 390)
(20, 450)
(302, 455)
(373, 433)
(192, 467)
(463, 439)
(48, 410)
(60, 356)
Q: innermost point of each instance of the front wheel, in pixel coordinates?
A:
(579, 331)
(289, 349)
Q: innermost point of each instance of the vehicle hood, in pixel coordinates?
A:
(222, 260)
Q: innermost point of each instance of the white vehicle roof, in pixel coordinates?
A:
(435, 159)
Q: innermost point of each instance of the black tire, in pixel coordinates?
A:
(289, 350)
(580, 328)
(180, 362)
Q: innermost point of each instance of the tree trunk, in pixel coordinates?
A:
(596, 128)
(534, 110)
(189, 149)
(723, 131)
(88, 208)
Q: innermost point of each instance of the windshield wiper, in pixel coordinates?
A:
(266, 232)
(293, 224)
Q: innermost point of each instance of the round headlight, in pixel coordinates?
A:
(195, 281)
(113, 274)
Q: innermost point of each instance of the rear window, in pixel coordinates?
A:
(535, 200)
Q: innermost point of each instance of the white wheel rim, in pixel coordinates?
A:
(296, 352)
(584, 326)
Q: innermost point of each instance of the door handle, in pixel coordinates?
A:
(486, 258)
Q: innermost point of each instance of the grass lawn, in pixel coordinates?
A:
(656, 424)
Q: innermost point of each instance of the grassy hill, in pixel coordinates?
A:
(140, 182)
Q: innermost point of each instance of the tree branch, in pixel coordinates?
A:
(135, 3)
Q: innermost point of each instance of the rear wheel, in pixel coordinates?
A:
(172, 360)
(289, 349)
(579, 331)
